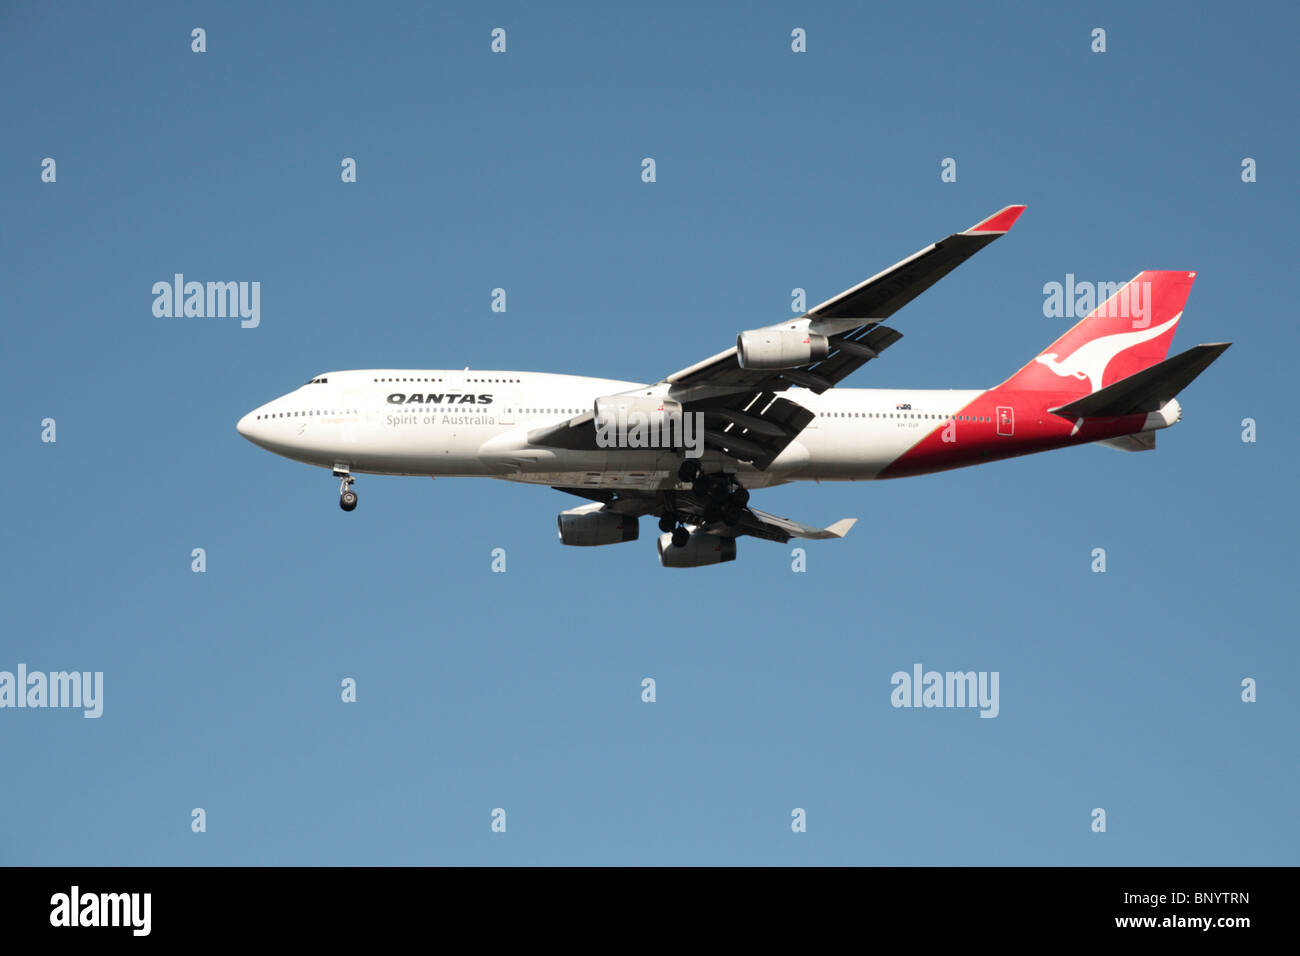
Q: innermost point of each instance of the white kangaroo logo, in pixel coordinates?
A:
(1089, 360)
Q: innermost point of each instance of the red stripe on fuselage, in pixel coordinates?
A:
(957, 444)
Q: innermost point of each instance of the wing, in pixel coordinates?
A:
(745, 416)
(741, 400)
(851, 318)
(760, 524)
(689, 506)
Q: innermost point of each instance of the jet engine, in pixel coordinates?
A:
(780, 348)
(699, 550)
(590, 528)
(615, 411)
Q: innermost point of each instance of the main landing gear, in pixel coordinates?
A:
(347, 497)
(725, 499)
(669, 523)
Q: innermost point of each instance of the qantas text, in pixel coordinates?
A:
(436, 398)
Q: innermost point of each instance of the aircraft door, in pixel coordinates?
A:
(356, 414)
(1006, 420)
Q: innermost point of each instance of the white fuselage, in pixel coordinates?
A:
(476, 424)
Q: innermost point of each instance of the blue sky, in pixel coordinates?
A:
(522, 690)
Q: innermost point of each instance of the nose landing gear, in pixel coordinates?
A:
(347, 497)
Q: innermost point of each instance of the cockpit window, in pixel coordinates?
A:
(318, 381)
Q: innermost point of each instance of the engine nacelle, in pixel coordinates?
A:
(780, 348)
(699, 550)
(587, 529)
(615, 411)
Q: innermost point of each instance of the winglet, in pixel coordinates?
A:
(841, 527)
(1000, 222)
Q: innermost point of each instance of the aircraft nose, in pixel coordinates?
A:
(245, 425)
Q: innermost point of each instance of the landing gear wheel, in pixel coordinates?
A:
(731, 513)
(347, 497)
(680, 537)
(668, 522)
(740, 497)
(689, 470)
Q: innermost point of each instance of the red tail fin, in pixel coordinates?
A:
(1128, 332)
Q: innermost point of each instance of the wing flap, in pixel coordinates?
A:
(760, 524)
(781, 421)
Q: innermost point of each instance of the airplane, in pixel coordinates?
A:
(689, 448)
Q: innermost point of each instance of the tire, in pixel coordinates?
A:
(668, 522)
(689, 470)
(680, 537)
(348, 500)
(731, 514)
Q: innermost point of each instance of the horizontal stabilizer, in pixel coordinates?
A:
(1138, 441)
(1145, 391)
